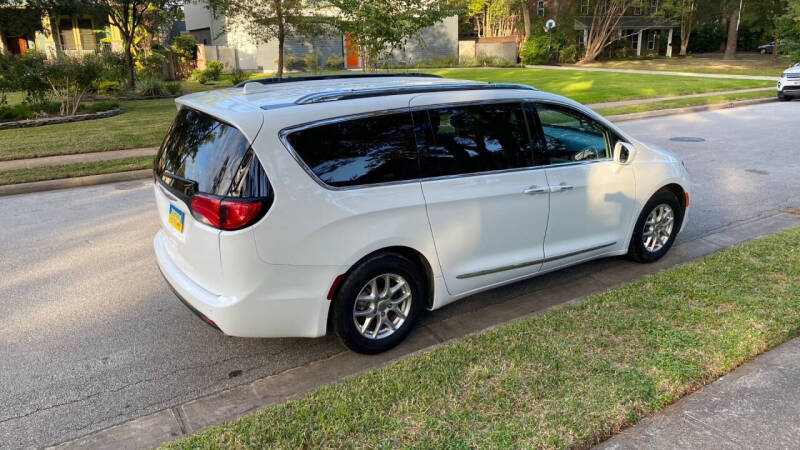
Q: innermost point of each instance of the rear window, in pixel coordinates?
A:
(209, 156)
(353, 152)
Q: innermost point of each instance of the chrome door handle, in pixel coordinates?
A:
(535, 190)
(561, 188)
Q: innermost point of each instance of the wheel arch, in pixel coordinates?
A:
(413, 255)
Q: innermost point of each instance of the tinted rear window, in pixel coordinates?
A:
(204, 150)
(473, 139)
(359, 151)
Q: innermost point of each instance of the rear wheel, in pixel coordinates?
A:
(782, 97)
(656, 228)
(377, 305)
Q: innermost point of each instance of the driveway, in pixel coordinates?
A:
(91, 336)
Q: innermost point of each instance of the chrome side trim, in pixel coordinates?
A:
(532, 263)
(351, 94)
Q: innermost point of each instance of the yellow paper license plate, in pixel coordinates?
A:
(176, 218)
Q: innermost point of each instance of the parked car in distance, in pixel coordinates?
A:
(768, 49)
(355, 203)
(789, 84)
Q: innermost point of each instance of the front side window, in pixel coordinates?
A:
(471, 139)
(570, 136)
(359, 151)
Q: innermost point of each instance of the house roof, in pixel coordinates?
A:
(629, 22)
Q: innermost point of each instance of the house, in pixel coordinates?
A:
(225, 41)
(640, 28)
(55, 35)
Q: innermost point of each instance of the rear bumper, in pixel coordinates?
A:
(288, 301)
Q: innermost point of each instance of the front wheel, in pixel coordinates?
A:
(378, 303)
(783, 97)
(656, 228)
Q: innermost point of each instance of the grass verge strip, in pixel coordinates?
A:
(682, 103)
(569, 377)
(75, 170)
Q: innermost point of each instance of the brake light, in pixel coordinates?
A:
(226, 214)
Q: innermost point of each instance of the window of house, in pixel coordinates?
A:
(66, 34)
(540, 8)
(634, 37)
(472, 139)
(88, 40)
(651, 40)
(586, 7)
(653, 6)
(359, 151)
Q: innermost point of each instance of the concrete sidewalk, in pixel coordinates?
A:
(643, 101)
(60, 160)
(658, 72)
(756, 406)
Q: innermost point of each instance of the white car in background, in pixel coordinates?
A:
(354, 203)
(789, 84)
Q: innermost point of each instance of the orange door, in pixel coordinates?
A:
(351, 61)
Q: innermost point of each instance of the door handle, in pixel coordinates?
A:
(561, 188)
(535, 190)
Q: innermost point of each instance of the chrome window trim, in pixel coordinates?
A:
(532, 263)
(284, 133)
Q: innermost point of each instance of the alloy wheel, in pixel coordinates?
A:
(658, 228)
(382, 306)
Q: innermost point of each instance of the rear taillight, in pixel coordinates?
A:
(226, 214)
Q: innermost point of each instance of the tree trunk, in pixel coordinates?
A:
(724, 24)
(733, 35)
(777, 48)
(127, 49)
(526, 19)
(281, 36)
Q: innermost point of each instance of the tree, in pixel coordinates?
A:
(379, 26)
(686, 12)
(733, 28)
(265, 20)
(128, 16)
(495, 18)
(606, 17)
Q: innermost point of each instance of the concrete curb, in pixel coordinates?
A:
(191, 417)
(688, 110)
(65, 183)
(57, 120)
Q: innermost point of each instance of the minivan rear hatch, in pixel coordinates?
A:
(207, 179)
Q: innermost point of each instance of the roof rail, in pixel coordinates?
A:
(336, 77)
(351, 94)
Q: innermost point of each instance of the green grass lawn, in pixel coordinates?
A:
(681, 103)
(567, 378)
(597, 87)
(744, 64)
(75, 170)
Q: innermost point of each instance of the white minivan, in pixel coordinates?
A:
(354, 203)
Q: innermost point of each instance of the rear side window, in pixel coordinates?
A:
(362, 151)
(204, 155)
(472, 139)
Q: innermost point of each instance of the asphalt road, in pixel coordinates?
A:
(91, 336)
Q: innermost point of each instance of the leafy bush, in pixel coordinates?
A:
(200, 76)
(91, 108)
(71, 78)
(25, 73)
(20, 111)
(114, 67)
(151, 87)
(239, 75)
(185, 46)
(334, 62)
(291, 62)
(535, 50)
(214, 69)
(107, 87)
(174, 88)
(151, 65)
(312, 62)
(569, 55)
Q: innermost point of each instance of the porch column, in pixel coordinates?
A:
(639, 44)
(2, 43)
(585, 37)
(669, 44)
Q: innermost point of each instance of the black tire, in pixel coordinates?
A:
(782, 97)
(343, 306)
(637, 250)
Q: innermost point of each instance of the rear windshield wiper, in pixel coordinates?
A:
(182, 185)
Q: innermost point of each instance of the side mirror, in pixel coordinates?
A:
(623, 153)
